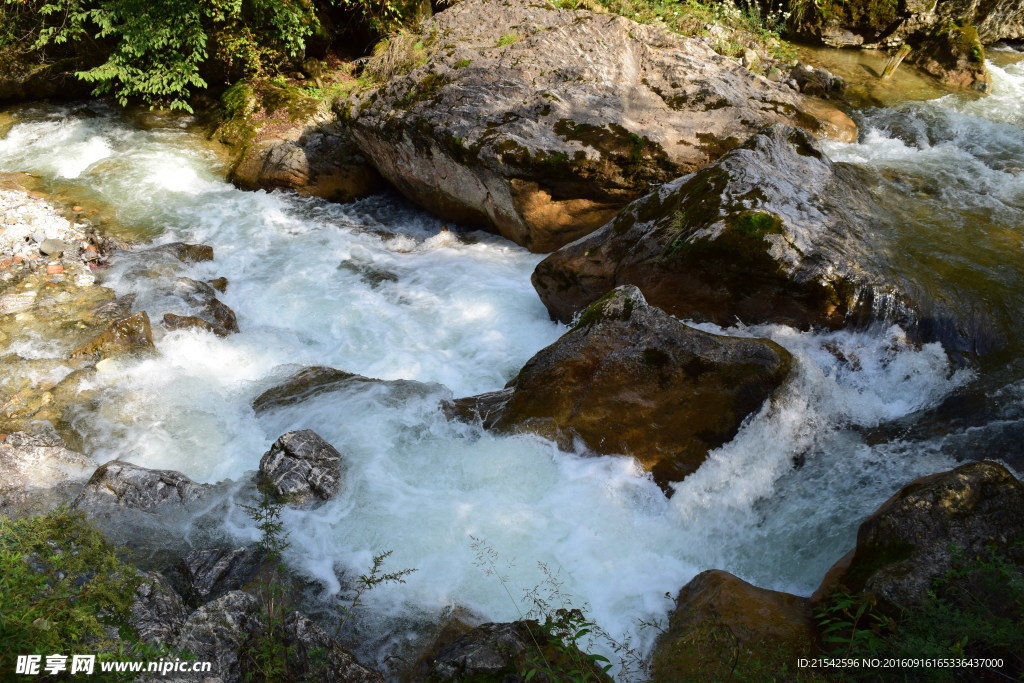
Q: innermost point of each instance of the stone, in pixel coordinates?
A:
(321, 161)
(314, 655)
(158, 612)
(218, 631)
(316, 380)
(201, 299)
(724, 628)
(773, 232)
(52, 247)
(38, 472)
(210, 572)
(189, 322)
(911, 539)
(632, 379)
(300, 467)
(132, 334)
(583, 113)
(186, 253)
(124, 485)
(501, 652)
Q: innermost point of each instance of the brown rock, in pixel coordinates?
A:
(723, 628)
(540, 124)
(631, 379)
(127, 335)
(912, 538)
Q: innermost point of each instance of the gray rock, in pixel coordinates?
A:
(158, 612)
(632, 379)
(201, 299)
(773, 232)
(186, 253)
(912, 538)
(124, 485)
(316, 380)
(315, 158)
(540, 124)
(38, 472)
(314, 655)
(209, 573)
(301, 466)
(51, 247)
(217, 631)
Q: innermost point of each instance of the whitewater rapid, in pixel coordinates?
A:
(382, 289)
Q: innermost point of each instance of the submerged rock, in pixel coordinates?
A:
(127, 335)
(316, 380)
(540, 124)
(186, 253)
(124, 485)
(201, 298)
(774, 232)
(723, 628)
(631, 379)
(301, 466)
(914, 537)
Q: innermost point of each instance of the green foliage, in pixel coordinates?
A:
(508, 39)
(157, 48)
(63, 590)
(385, 16)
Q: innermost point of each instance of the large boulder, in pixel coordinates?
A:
(540, 124)
(218, 631)
(773, 232)
(724, 628)
(119, 484)
(38, 471)
(157, 613)
(208, 573)
(631, 379)
(301, 467)
(916, 536)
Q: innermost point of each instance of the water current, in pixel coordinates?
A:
(382, 289)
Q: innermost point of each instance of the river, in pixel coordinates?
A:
(382, 289)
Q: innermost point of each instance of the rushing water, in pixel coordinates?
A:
(384, 290)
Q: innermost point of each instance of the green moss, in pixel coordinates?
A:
(597, 311)
(508, 39)
(425, 90)
(757, 224)
(463, 63)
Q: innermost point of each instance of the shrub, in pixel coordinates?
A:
(63, 589)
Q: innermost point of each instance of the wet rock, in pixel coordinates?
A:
(724, 628)
(186, 253)
(314, 158)
(217, 631)
(189, 322)
(632, 379)
(209, 573)
(501, 652)
(816, 82)
(201, 298)
(158, 612)
(124, 485)
(912, 539)
(316, 380)
(314, 655)
(774, 232)
(301, 466)
(38, 472)
(946, 37)
(127, 335)
(219, 283)
(583, 113)
(955, 56)
(25, 79)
